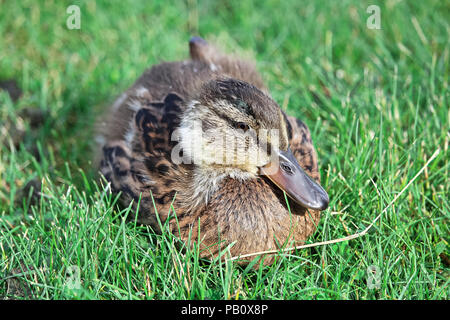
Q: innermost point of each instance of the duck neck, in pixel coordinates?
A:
(206, 181)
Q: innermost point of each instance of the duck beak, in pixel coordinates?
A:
(287, 174)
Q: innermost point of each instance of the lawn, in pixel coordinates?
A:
(376, 101)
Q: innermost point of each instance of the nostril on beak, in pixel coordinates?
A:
(287, 168)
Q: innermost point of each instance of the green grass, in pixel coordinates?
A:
(376, 102)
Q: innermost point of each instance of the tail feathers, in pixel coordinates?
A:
(201, 50)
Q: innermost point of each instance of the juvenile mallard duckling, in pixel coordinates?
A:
(204, 136)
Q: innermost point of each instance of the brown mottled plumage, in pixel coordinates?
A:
(233, 200)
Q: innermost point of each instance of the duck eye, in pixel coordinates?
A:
(242, 126)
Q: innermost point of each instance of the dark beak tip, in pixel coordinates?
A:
(324, 205)
(320, 203)
(324, 201)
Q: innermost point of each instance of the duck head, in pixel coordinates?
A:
(231, 128)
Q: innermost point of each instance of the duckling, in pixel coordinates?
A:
(164, 148)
